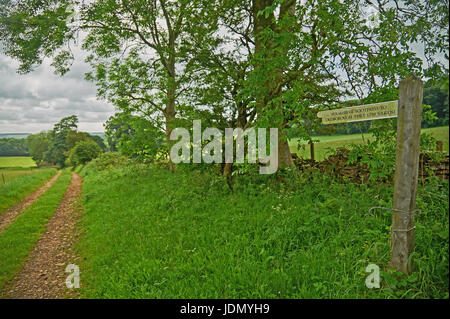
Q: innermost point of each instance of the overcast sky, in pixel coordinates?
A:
(34, 102)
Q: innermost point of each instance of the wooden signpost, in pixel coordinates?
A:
(408, 109)
(366, 112)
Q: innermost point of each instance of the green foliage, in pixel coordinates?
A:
(66, 125)
(38, 145)
(99, 140)
(151, 233)
(57, 149)
(435, 94)
(135, 137)
(32, 30)
(84, 152)
(73, 137)
(278, 63)
(13, 147)
(378, 153)
(55, 146)
(105, 161)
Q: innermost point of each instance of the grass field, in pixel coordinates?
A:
(9, 174)
(329, 143)
(20, 183)
(16, 161)
(19, 238)
(151, 233)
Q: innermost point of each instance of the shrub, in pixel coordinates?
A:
(110, 159)
(104, 161)
(84, 152)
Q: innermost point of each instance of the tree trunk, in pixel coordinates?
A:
(284, 153)
(265, 49)
(170, 111)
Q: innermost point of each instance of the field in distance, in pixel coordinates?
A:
(16, 161)
(328, 143)
(12, 167)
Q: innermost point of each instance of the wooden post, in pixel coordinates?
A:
(311, 149)
(406, 173)
(439, 146)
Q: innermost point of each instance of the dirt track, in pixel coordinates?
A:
(43, 275)
(10, 216)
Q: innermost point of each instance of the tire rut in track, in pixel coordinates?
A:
(43, 275)
(10, 216)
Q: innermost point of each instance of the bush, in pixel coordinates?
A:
(104, 161)
(110, 159)
(84, 152)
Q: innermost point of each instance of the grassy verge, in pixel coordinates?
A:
(19, 238)
(78, 169)
(20, 187)
(329, 143)
(150, 233)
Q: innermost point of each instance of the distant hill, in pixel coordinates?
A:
(24, 135)
(14, 135)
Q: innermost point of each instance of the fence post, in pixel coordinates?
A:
(311, 149)
(406, 173)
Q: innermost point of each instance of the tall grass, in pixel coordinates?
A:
(19, 238)
(18, 188)
(150, 233)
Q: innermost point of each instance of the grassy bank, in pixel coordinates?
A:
(150, 233)
(19, 187)
(19, 238)
(329, 143)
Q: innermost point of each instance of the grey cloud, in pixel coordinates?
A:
(36, 101)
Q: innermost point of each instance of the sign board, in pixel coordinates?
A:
(366, 112)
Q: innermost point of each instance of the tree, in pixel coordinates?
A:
(310, 54)
(13, 147)
(115, 127)
(99, 140)
(142, 54)
(290, 58)
(38, 145)
(73, 137)
(56, 152)
(222, 68)
(141, 50)
(135, 136)
(435, 94)
(84, 152)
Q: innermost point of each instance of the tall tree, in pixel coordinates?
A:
(141, 50)
(141, 54)
(312, 53)
(295, 56)
(38, 145)
(57, 149)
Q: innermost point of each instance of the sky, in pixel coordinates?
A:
(34, 102)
